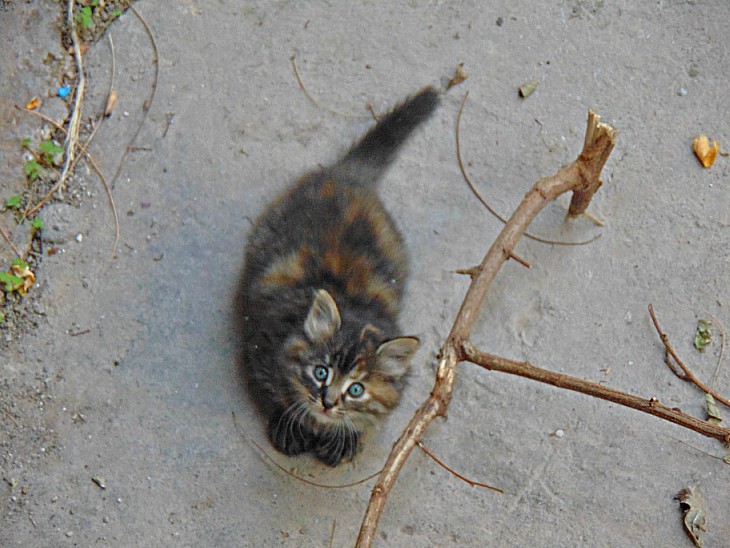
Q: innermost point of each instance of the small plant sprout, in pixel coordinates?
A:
(14, 202)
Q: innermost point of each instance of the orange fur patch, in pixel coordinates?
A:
(287, 270)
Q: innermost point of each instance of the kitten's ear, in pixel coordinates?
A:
(323, 319)
(394, 356)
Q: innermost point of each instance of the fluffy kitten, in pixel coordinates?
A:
(321, 290)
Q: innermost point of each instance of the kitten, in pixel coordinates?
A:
(320, 293)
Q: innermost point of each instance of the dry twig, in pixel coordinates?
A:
(686, 374)
(454, 472)
(316, 102)
(6, 237)
(147, 105)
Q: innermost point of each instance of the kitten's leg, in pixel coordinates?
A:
(288, 432)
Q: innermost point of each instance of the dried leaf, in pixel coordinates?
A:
(459, 76)
(83, 48)
(726, 459)
(33, 104)
(703, 335)
(705, 151)
(528, 88)
(691, 503)
(23, 272)
(110, 102)
(713, 413)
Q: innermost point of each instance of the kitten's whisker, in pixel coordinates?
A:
(284, 416)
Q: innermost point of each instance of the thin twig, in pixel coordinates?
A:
(314, 99)
(332, 533)
(722, 348)
(147, 105)
(688, 375)
(6, 236)
(698, 449)
(454, 472)
(269, 458)
(514, 256)
(8, 415)
(484, 202)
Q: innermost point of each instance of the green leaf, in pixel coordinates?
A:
(19, 262)
(703, 335)
(116, 13)
(26, 142)
(49, 147)
(14, 202)
(32, 169)
(84, 18)
(2, 316)
(12, 283)
(38, 223)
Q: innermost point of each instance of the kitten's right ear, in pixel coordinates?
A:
(394, 356)
(323, 319)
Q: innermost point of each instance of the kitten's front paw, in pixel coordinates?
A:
(290, 441)
(339, 446)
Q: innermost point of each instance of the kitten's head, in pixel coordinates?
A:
(346, 372)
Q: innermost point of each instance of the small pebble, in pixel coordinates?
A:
(559, 433)
(79, 237)
(682, 92)
(69, 533)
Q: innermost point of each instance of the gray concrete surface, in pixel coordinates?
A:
(145, 397)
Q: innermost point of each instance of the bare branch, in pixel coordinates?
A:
(581, 177)
(650, 406)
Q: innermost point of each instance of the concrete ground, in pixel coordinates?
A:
(130, 373)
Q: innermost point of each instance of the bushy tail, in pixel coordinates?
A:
(368, 159)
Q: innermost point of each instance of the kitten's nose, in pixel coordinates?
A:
(326, 403)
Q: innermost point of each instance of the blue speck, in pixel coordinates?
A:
(64, 91)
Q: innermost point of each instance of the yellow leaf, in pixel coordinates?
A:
(705, 151)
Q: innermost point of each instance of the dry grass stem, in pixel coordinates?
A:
(454, 472)
(686, 374)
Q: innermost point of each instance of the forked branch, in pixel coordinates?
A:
(582, 177)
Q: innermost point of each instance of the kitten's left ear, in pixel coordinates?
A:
(323, 319)
(394, 357)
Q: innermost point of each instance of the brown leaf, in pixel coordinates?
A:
(705, 151)
(691, 503)
(459, 76)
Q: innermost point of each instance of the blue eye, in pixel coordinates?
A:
(356, 390)
(321, 373)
